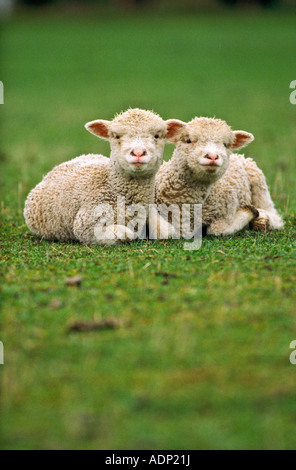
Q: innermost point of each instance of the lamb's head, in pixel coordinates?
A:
(137, 139)
(206, 144)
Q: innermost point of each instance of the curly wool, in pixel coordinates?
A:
(135, 119)
(241, 190)
(232, 196)
(64, 205)
(175, 180)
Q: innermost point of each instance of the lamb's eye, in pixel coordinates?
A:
(188, 141)
(156, 136)
(117, 137)
(226, 145)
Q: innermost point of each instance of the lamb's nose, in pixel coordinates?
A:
(212, 156)
(138, 152)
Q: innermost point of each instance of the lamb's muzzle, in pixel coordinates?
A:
(138, 157)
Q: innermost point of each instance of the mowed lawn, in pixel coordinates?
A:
(201, 357)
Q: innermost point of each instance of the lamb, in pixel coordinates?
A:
(204, 170)
(73, 199)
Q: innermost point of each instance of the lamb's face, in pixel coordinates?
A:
(206, 145)
(138, 151)
(137, 138)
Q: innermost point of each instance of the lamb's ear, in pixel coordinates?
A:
(174, 129)
(241, 139)
(99, 128)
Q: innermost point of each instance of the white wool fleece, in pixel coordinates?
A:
(64, 205)
(204, 170)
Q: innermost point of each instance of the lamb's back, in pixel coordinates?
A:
(52, 205)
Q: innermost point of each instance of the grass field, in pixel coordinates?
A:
(201, 360)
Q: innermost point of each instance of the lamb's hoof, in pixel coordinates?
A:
(261, 223)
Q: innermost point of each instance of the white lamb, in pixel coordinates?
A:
(76, 195)
(203, 170)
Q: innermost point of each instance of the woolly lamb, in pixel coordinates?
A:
(203, 170)
(68, 202)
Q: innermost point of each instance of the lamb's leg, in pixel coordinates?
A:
(90, 229)
(159, 228)
(241, 220)
(262, 222)
(113, 235)
(268, 218)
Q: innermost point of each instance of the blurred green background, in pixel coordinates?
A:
(202, 360)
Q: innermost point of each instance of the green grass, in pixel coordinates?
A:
(202, 358)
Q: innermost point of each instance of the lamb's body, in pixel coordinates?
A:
(63, 206)
(229, 193)
(232, 199)
(91, 198)
(231, 188)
